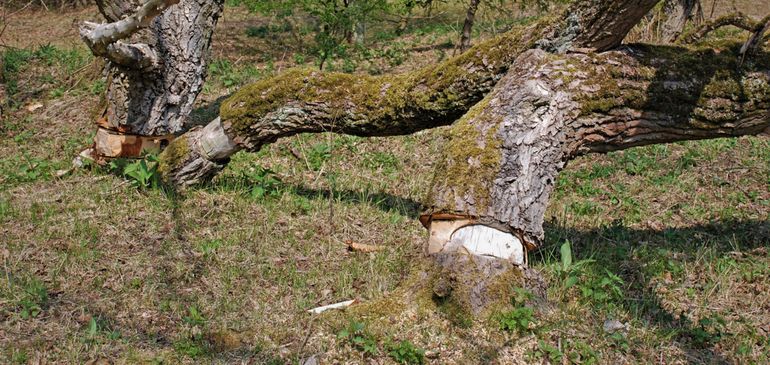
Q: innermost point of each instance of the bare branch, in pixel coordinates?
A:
(737, 20)
(756, 38)
(99, 37)
(137, 56)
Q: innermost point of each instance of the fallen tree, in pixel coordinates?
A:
(527, 102)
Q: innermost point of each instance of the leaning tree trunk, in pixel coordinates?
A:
(302, 101)
(157, 58)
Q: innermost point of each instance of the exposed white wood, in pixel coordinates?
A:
(482, 240)
(339, 305)
(476, 239)
(215, 144)
(441, 232)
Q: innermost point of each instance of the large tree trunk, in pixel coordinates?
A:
(156, 69)
(504, 156)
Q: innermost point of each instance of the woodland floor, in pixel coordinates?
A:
(673, 241)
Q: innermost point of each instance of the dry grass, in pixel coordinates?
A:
(93, 268)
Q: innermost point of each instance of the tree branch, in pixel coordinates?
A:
(756, 38)
(737, 20)
(136, 56)
(311, 101)
(102, 38)
(304, 100)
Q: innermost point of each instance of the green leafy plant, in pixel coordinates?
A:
(405, 352)
(548, 351)
(194, 343)
(620, 342)
(569, 270)
(194, 317)
(709, 331)
(517, 320)
(604, 288)
(98, 327)
(33, 299)
(19, 356)
(581, 353)
(263, 182)
(143, 174)
(318, 154)
(355, 334)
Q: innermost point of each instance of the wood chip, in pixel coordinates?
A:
(33, 107)
(362, 247)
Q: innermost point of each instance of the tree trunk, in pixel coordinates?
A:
(470, 16)
(155, 72)
(504, 156)
(677, 13)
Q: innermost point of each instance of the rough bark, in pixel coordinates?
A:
(157, 61)
(677, 14)
(505, 154)
(470, 16)
(310, 101)
(596, 25)
(305, 100)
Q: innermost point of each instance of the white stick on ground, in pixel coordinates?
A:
(339, 305)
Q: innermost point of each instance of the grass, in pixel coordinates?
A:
(671, 241)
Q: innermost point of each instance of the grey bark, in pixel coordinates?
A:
(596, 25)
(505, 155)
(158, 58)
(677, 13)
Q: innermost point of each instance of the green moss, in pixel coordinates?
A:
(175, 154)
(440, 92)
(472, 157)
